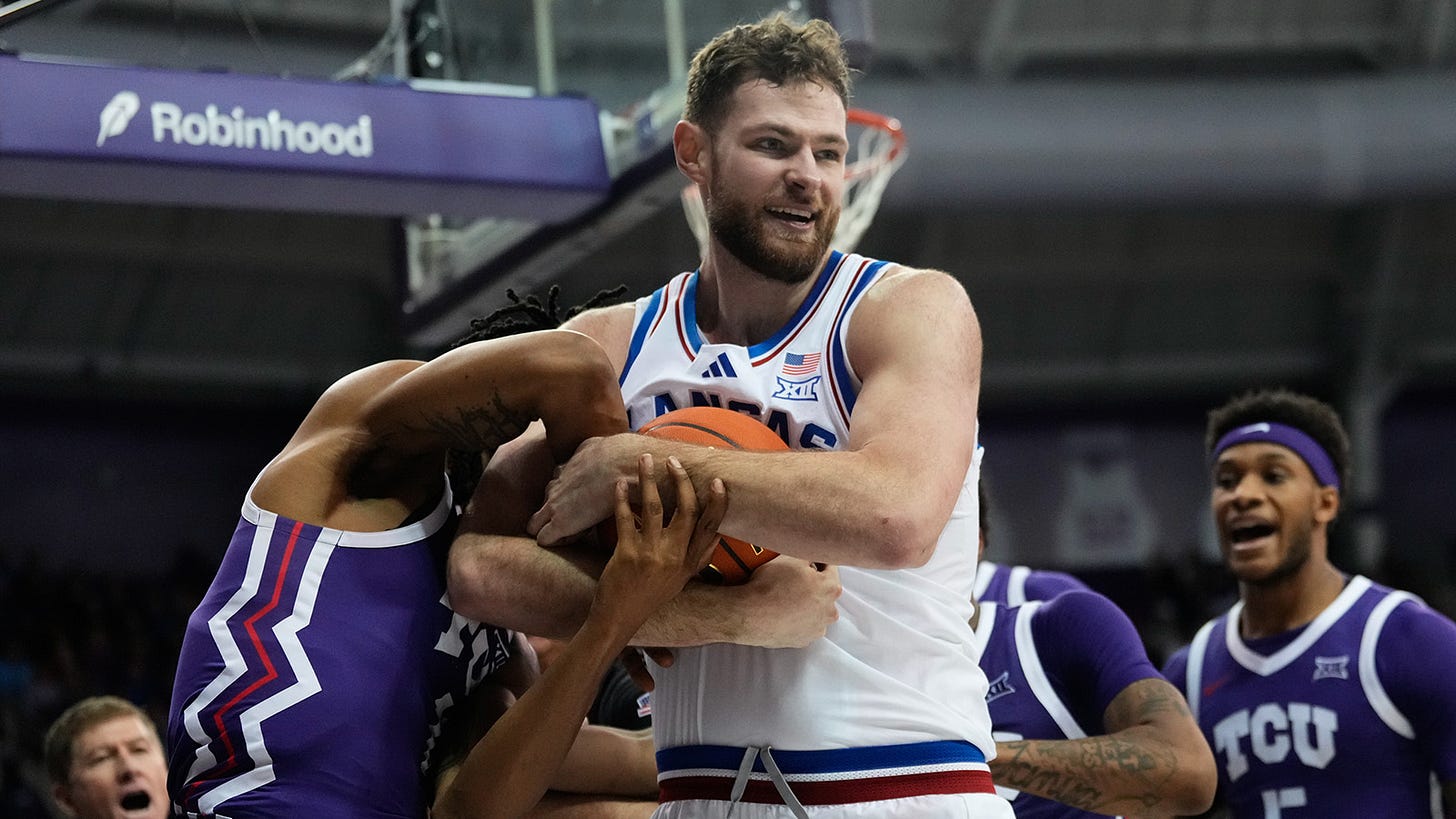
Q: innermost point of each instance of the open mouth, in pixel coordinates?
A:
(796, 217)
(1248, 533)
(136, 800)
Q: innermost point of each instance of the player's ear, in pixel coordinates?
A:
(691, 146)
(1327, 504)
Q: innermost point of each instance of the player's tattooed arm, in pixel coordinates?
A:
(478, 396)
(479, 427)
(1153, 760)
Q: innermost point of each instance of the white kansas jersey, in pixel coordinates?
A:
(899, 666)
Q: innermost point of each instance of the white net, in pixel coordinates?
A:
(877, 151)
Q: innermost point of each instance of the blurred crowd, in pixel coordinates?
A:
(70, 635)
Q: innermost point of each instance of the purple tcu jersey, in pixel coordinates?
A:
(1353, 715)
(1054, 667)
(1014, 585)
(314, 673)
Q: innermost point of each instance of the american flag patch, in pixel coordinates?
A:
(796, 364)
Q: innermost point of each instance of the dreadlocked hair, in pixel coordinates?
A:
(522, 315)
(530, 314)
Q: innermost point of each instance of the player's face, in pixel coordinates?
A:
(117, 772)
(777, 178)
(1267, 506)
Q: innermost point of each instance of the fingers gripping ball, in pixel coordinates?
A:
(733, 559)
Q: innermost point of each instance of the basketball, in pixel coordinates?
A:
(733, 559)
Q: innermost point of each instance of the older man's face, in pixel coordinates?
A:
(117, 772)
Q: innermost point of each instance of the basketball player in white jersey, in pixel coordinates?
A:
(870, 370)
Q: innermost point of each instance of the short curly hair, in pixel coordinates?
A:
(775, 49)
(1310, 415)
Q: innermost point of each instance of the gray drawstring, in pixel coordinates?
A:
(782, 785)
(776, 776)
(740, 782)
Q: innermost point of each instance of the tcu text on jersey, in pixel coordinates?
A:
(1271, 732)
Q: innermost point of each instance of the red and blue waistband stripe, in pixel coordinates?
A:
(833, 760)
(835, 776)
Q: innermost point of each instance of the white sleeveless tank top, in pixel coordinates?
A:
(900, 664)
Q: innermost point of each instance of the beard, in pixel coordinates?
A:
(1296, 555)
(735, 224)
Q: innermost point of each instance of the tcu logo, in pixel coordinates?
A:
(1271, 731)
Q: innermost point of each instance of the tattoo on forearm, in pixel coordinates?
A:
(1101, 774)
(480, 428)
(1104, 774)
(1154, 700)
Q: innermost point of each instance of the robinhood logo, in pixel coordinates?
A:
(235, 129)
(117, 115)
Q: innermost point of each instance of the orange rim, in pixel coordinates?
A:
(891, 125)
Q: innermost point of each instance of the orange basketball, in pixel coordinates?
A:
(733, 559)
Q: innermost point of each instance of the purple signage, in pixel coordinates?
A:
(72, 130)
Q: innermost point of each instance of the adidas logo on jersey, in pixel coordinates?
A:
(722, 367)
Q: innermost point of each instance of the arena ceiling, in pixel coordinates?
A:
(1148, 200)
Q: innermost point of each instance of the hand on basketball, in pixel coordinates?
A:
(653, 561)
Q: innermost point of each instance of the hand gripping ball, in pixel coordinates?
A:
(733, 559)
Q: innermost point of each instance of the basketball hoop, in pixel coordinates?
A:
(878, 150)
